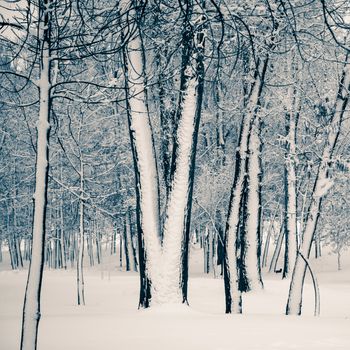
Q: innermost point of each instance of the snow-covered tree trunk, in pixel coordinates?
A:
(80, 241)
(163, 264)
(290, 181)
(147, 193)
(231, 273)
(179, 205)
(277, 250)
(129, 250)
(31, 308)
(234, 224)
(176, 211)
(193, 54)
(252, 239)
(321, 186)
(270, 228)
(290, 215)
(62, 229)
(133, 242)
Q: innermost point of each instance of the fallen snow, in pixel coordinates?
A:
(110, 320)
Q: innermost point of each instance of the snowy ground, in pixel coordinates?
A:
(110, 320)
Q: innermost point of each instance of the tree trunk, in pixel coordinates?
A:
(198, 51)
(290, 205)
(267, 241)
(80, 241)
(163, 267)
(277, 251)
(339, 259)
(128, 244)
(146, 176)
(238, 191)
(31, 308)
(133, 242)
(252, 238)
(176, 225)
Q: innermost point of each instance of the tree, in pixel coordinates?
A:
(320, 188)
(161, 260)
(31, 308)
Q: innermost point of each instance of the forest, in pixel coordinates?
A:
(171, 141)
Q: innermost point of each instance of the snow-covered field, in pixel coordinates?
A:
(110, 320)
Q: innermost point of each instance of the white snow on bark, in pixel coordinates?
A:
(291, 210)
(177, 203)
(163, 262)
(324, 186)
(146, 160)
(80, 259)
(31, 308)
(233, 222)
(252, 262)
(233, 216)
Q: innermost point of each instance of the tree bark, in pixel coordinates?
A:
(146, 176)
(31, 308)
(290, 204)
(252, 239)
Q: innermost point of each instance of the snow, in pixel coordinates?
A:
(111, 320)
(324, 186)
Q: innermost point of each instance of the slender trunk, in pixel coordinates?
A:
(90, 248)
(339, 259)
(220, 139)
(267, 241)
(62, 237)
(277, 251)
(206, 251)
(31, 308)
(121, 244)
(317, 243)
(81, 238)
(18, 250)
(133, 243)
(13, 262)
(12, 252)
(127, 243)
(62, 228)
(214, 258)
(98, 243)
(290, 207)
